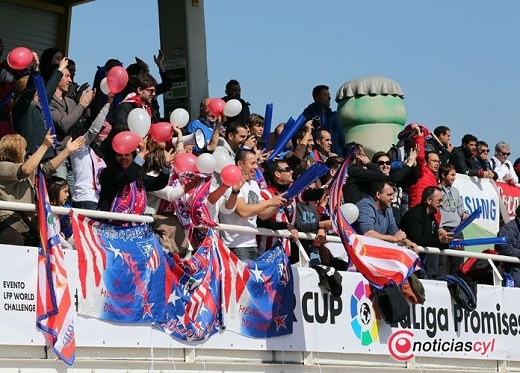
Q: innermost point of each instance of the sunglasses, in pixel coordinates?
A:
(286, 169)
(381, 163)
(484, 150)
(506, 154)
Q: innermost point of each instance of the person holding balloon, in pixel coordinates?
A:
(123, 186)
(141, 66)
(27, 115)
(233, 92)
(140, 97)
(134, 113)
(207, 122)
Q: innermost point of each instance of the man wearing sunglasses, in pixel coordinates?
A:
(502, 165)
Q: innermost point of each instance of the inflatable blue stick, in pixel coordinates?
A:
(305, 179)
(268, 118)
(479, 241)
(44, 104)
(288, 131)
(475, 214)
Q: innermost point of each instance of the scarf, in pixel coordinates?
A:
(134, 99)
(130, 199)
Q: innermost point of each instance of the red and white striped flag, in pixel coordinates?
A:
(379, 261)
(54, 313)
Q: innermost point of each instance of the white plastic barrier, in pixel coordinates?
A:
(343, 328)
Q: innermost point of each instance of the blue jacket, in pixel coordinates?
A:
(512, 248)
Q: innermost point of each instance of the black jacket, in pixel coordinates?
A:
(464, 162)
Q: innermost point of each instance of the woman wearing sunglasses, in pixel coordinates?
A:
(401, 178)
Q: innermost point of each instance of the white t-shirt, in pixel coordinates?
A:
(87, 167)
(250, 192)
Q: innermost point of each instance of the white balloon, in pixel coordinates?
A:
(104, 86)
(206, 163)
(350, 211)
(232, 108)
(180, 117)
(222, 159)
(139, 121)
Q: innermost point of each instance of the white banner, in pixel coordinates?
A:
(18, 271)
(477, 193)
(345, 324)
(436, 328)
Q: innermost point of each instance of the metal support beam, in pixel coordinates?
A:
(183, 42)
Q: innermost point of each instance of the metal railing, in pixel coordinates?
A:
(94, 214)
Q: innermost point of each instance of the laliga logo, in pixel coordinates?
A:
(400, 345)
(364, 320)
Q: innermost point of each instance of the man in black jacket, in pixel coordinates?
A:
(463, 158)
(233, 91)
(440, 143)
(421, 226)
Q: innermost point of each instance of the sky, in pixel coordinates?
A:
(456, 61)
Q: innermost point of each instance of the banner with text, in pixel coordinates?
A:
(479, 193)
(348, 324)
(510, 196)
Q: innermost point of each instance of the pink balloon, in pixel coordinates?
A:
(125, 142)
(20, 58)
(117, 78)
(162, 131)
(216, 106)
(185, 162)
(230, 175)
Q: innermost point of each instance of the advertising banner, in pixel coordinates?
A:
(348, 324)
(477, 193)
(510, 196)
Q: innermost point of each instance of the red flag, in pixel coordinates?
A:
(54, 314)
(380, 262)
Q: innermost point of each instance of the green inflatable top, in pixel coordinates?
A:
(369, 86)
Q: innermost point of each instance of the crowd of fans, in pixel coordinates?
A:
(405, 195)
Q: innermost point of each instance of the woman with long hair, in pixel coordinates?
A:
(17, 185)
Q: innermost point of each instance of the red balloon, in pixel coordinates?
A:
(216, 106)
(230, 175)
(185, 162)
(162, 131)
(117, 78)
(20, 58)
(125, 142)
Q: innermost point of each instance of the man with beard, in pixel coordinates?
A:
(141, 97)
(421, 226)
(376, 218)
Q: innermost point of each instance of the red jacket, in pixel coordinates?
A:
(426, 176)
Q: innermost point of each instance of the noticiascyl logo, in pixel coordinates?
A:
(363, 315)
(400, 345)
